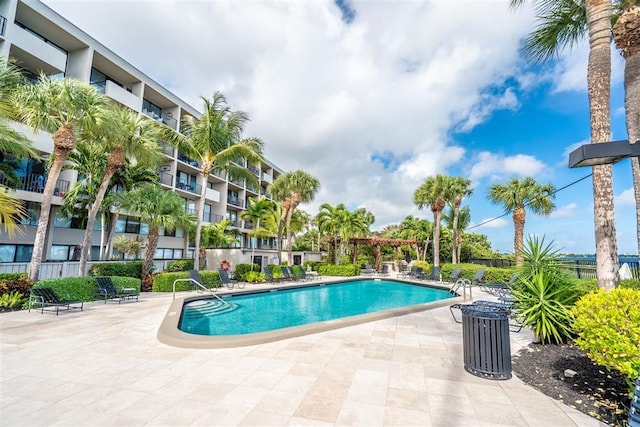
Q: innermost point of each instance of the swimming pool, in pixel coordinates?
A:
(280, 313)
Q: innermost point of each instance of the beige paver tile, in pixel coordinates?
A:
(407, 399)
(297, 421)
(280, 402)
(402, 417)
(262, 418)
(361, 414)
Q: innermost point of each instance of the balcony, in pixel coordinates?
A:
(212, 218)
(38, 46)
(170, 121)
(165, 178)
(235, 202)
(236, 181)
(166, 148)
(265, 193)
(190, 188)
(219, 174)
(188, 160)
(254, 170)
(267, 178)
(253, 189)
(121, 95)
(35, 183)
(3, 25)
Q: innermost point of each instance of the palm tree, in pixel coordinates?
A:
(219, 235)
(157, 208)
(627, 38)
(459, 188)
(257, 211)
(462, 222)
(434, 192)
(563, 31)
(292, 188)
(518, 195)
(62, 108)
(129, 135)
(328, 220)
(414, 228)
(215, 141)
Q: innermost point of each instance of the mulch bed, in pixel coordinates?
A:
(593, 390)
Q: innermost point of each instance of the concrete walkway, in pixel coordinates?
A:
(105, 366)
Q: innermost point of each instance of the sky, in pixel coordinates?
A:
(372, 97)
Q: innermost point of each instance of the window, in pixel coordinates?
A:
(61, 220)
(7, 253)
(33, 213)
(60, 252)
(206, 214)
(131, 224)
(151, 109)
(15, 253)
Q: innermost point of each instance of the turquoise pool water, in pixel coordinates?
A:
(267, 311)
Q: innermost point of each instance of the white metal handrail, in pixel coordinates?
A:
(198, 284)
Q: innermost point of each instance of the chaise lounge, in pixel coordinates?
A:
(107, 290)
(47, 297)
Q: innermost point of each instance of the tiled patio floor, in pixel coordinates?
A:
(105, 366)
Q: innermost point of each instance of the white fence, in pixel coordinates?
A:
(55, 270)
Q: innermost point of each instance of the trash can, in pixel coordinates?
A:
(634, 411)
(485, 341)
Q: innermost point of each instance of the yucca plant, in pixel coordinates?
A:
(543, 294)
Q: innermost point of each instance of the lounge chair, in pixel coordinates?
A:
(455, 275)
(227, 281)
(384, 272)
(477, 279)
(434, 274)
(497, 289)
(47, 297)
(300, 272)
(268, 274)
(368, 270)
(285, 273)
(107, 290)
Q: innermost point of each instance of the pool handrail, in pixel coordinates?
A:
(199, 284)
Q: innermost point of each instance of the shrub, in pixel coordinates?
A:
(163, 282)
(608, 328)
(339, 270)
(180, 265)
(13, 282)
(243, 269)
(11, 301)
(124, 269)
(255, 277)
(310, 265)
(543, 302)
(468, 271)
(73, 288)
(422, 264)
(630, 284)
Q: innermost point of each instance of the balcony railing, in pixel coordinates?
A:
(233, 222)
(35, 183)
(170, 121)
(237, 181)
(188, 160)
(3, 25)
(191, 188)
(265, 193)
(166, 148)
(165, 178)
(254, 170)
(211, 217)
(235, 202)
(219, 174)
(253, 189)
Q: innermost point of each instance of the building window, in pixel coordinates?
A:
(60, 252)
(151, 109)
(206, 214)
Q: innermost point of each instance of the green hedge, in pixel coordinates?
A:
(339, 270)
(243, 269)
(180, 265)
(163, 282)
(15, 282)
(630, 284)
(491, 274)
(83, 288)
(122, 269)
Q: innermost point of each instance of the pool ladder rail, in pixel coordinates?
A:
(201, 286)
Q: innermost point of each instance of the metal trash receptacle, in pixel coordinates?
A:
(486, 342)
(634, 410)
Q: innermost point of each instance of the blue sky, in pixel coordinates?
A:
(373, 97)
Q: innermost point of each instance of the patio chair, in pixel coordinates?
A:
(285, 273)
(434, 274)
(384, 272)
(268, 274)
(227, 281)
(477, 279)
(498, 289)
(300, 272)
(455, 275)
(47, 297)
(368, 270)
(294, 273)
(107, 290)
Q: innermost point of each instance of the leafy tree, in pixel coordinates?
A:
(434, 192)
(328, 220)
(292, 188)
(215, 141)
(62, 108)
(457, 225)
(257, 211)
(518, 195)
(219, 235)
(562, 22)
(156, 208)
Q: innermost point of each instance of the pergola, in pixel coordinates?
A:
(377, 242)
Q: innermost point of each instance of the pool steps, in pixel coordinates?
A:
(207, 308)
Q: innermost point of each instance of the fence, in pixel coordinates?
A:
(55, 270)
(582, 269)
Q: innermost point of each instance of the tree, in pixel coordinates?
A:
(518, 195)
(459, 188)
(215, 141)
(219, 235)
(414, 228)
(124, 134)
(561, 26)
(157, 208)
(62, 108)
(434, 192)
(256, 212)
(328, 220)
(626, 34)
(458, 224)
(292, 188)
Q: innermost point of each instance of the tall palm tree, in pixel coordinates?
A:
(459, 188)
(62, 108)
(257, 212)
(462, 221)
(518, 196)
(129, 135)
(434, 192)
(561, 32)
(292, 188)
(219, 235)
(157, 208)
(419, 229)
(215, 141)
(328, 220)
(626, 34)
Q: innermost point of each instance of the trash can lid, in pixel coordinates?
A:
(484, 311)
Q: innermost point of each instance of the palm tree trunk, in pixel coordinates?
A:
(519, 218)
(436, 237)
(150, 250)
(112, 232)
(289, 242)
(632, 108)
(454, 240)
(199, 212)
(60, 156)
(459, 247)
(91, 219)
(599, 87)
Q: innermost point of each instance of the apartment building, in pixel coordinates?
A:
(42, 41)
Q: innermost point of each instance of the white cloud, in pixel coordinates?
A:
(625, 199)
(566, 211)
(498, 166)
(490, 223)
(323, 95)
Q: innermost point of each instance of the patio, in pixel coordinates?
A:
(105, 366)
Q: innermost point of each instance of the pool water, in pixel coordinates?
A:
(267, 311)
